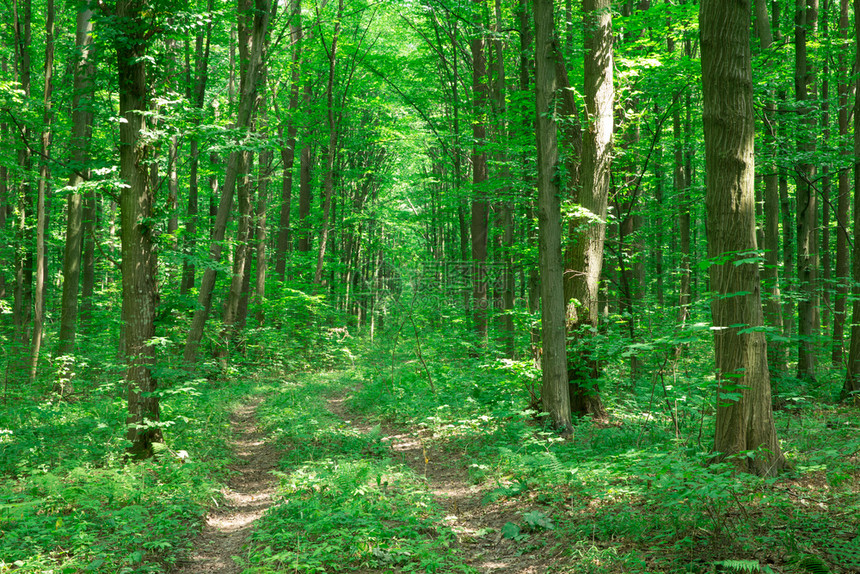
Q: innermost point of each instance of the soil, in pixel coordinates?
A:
(219, 547)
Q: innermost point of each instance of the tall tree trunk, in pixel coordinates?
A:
(588, 230)
(480, 207)
(807, 205)
(304, 243)
(744, 417)
(770, 270)
(843, 201)
(852, 378)
(197, 97)
(288, 151)
(554, 390)
(331, 150)
(259, 12)
(22, 17)
(139, 288)
(82, 121)
(44, 175)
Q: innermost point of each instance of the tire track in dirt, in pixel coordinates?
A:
(248, 494)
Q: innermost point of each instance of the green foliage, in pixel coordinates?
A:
(70, 502)
(342, 500)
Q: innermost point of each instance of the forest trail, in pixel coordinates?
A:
(248, 494)
(478, 527)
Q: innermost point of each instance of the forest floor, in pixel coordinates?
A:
(478, 527)
(249, 492)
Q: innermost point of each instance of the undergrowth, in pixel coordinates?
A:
(70, 502)
(344, 503)
(637, 492)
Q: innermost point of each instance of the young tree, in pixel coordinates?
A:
(82, 121)
(744, 417)
(554, 390)
(852, 378)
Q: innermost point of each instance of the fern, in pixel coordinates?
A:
(741, 566)
(813, 564)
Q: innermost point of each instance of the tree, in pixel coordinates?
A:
(82, 119)
(852, 377)
(554, 390)
(139, 288)
(744, 416)
(588, 228)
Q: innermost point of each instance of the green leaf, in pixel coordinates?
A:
(510, 530)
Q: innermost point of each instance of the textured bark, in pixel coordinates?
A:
(480, 207)
(288, 151)
(807, 204)
(331, 149)
(555, 396)
(744, 417)
(843, 196)
(852, 378)
(139, 289)
(587, 230)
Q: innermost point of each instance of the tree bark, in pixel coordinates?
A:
(744, 417)
(852, 378)
(807, 204)
(480, 207)
(844, 196)
(587, 229)
(331, 150)
(139, 288)
(555, 396)
(288, 151)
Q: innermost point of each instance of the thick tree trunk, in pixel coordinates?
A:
(587, 231)
(139, 288)
(744, 417)
(22, 17)
(554, 390)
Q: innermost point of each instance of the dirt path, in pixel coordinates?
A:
(478, 526)
(248, 495)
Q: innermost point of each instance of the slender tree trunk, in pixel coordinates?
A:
(852, 378)
(288, 152)
(331, 150)
(554, 390)
(807, 205)
(22, 17)
(304, 243)
(843, 201)
(259, 12)
(42, 192)
(744, 417)
(139, 288)
(480, 207)
(770, 270)
(82, 121)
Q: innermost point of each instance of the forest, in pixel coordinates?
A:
(474, 286)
